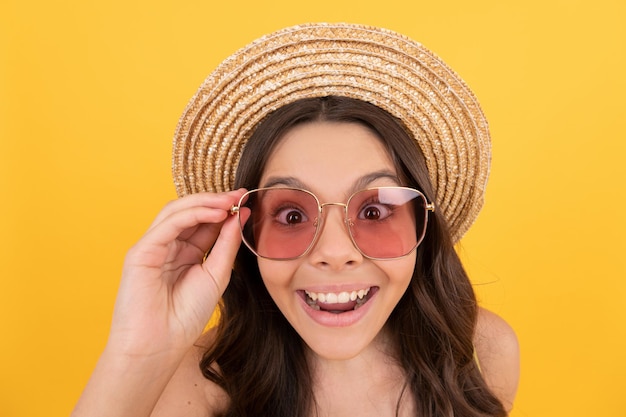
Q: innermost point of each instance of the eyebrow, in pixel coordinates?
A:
(359, 184)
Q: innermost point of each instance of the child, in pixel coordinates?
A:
(348, 160)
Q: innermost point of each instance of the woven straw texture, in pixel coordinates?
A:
(376, 65)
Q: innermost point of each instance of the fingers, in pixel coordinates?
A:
(195, 220)
(223, 201)
(163, 234)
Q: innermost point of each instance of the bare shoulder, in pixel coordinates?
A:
(189, 393)
(498, 353)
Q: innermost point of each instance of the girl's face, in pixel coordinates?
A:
(333, 160)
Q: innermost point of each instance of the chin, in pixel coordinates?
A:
(336, 351)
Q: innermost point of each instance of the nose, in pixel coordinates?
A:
(333, 248)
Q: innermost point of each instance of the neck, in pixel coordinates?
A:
(369, 384)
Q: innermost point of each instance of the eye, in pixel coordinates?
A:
(375, 212)
(290, 216)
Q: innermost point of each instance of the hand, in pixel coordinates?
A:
(167, 292)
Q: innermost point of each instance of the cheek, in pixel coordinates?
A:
(276, 274)
(402, 271)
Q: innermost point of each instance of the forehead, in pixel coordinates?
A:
(327, 154)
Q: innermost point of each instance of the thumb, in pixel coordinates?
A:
(219, 262)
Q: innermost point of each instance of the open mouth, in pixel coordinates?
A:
(340, 302)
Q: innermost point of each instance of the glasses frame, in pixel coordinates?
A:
(235, 210)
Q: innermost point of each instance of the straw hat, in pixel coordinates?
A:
(376, 65)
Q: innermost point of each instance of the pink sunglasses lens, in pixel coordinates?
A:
(282, 223)
(387, 222)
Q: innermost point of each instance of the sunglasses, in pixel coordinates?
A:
(383, 222)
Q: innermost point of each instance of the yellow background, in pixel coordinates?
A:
(90, 93)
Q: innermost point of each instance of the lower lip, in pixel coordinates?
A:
(345, 319)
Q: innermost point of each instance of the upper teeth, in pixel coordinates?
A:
(334, 298)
